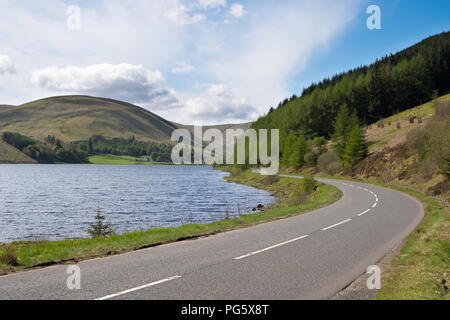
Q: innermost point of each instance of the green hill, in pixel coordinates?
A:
(74, 118)
(9, 154)
(388, 86)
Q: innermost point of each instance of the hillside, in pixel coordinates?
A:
(405, 152)
(9, 154)
(388, 86)
(73, 118)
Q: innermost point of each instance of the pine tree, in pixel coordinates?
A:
(343, 125)
(355, 149)
(100, 229)
(90, 146)
(299, 149)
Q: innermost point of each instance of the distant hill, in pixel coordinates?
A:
(5, 106)
(9, 154)
(74, 118)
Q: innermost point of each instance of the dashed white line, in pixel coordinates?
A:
(363, 213)
(138, 288)
(269, 248)
(335, 225)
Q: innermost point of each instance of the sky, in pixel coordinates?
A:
(216, 61)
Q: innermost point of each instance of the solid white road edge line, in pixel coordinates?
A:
(138, 288)
(335, 225)
(271, 247)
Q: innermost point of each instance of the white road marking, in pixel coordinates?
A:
(363, 213)
(138, 288)
(271, 247)
(335, 225)
(375, 204)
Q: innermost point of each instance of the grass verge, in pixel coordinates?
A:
(42, 253)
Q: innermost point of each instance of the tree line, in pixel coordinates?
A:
(97, 144)
(52, 150)
(337, 108)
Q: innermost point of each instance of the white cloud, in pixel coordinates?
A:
(209, 4)
(122, 81)
(237, 10)
(256, 59)
(7, 65)
(215, 105)
(179, 14)
(183, 67)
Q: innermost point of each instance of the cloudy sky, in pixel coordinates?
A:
(211, 60)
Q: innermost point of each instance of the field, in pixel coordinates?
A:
(121, 160)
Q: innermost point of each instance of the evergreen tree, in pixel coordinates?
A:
(90, 146)
(299, 149)
(343, 125)
(355, 148)
(100, 229)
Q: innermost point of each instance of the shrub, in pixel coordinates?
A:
(307, 185)
(326, 159)
(432, 142)
(269, 180)
(9, 256)
(334, 167)
(311, 158)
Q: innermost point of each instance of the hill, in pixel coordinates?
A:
(5, 107)
(74, 118)
(390, 85)
(9, 154)
(412, 153)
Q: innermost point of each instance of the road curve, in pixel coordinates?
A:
(310, 256)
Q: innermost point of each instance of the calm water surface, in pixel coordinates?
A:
(59, 201)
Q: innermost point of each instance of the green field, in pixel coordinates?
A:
(121, 160)
(31, 254)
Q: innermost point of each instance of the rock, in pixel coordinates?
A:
(260, 207)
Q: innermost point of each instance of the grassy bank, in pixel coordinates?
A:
(421, 269)
(291, 202)
(120, 160)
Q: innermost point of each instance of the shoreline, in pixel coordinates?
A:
(45, 253)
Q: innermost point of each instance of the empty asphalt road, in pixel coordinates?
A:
(311, 256)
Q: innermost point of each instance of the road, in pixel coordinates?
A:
(310, 256)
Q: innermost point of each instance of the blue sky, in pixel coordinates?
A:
(197, 60)
(404, 23)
